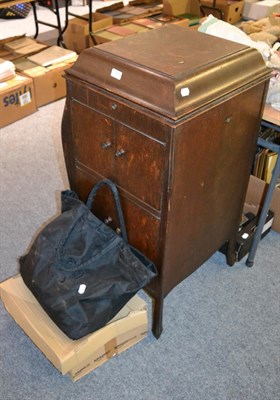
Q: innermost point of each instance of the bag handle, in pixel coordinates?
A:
(115, 193)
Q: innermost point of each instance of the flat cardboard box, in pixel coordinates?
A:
(49, 83)
(255, 197)
(51, 56)
(258, 10)
(6, 45)
(8, 54)
(73, 357)
(105, 36)
(17, 99)
(185, 23)
(15, 46)
(138, 26)
(232, 10)
(76, 36)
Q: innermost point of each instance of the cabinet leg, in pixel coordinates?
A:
(231, 256)
(157, 317)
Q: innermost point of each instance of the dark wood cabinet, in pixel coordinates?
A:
(178, 145)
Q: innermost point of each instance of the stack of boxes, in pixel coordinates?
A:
(33, 85)
(118, 21)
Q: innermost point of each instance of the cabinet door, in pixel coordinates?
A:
(139, 163)
(93, 139)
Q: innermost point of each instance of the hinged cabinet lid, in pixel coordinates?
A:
(171, 70)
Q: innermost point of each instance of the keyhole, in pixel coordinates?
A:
(228, 119)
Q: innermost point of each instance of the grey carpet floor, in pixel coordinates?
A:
(221, 325)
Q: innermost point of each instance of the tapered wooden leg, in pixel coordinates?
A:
(157, 317)
(231, 256)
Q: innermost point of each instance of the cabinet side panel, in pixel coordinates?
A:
(66, 137)
(212, 159)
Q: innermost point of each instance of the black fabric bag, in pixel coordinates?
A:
(80, 270)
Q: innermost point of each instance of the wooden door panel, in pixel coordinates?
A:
(93, 139)
(140, 162)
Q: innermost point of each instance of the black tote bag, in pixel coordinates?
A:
(80, 270)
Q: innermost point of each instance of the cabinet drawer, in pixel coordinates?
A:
(123, 111)
(93, 139)
(142, 227)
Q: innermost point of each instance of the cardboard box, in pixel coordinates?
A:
(73, 357)
(247, 8)
(76, 36)
(258, 10)
(49, 84)
(180, 7)
(232, 10)
(255, 197)
(17, 99)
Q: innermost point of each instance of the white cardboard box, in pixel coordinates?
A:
(73, 357)
(258, 10)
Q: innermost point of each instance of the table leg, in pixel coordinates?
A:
(35, 19)
(91, 34)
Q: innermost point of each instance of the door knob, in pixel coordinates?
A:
(106, 145)
(120, 153)
(108, 220)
